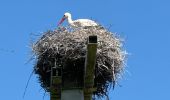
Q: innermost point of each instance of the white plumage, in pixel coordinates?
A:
(78, 22)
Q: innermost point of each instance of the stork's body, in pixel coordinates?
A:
(78, 22)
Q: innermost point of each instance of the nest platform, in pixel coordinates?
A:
(65, 48)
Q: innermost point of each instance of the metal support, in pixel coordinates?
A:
(72, 94)
(55, 88)
(90, 67)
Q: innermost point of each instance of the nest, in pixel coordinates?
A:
(66, 48)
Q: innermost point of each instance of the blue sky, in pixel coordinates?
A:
(144, 24)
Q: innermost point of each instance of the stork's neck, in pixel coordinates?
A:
(70, 21)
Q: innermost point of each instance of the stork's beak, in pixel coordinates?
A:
(61, 21)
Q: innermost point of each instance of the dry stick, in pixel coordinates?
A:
(27, 84)
(44, 95)
(6, 50)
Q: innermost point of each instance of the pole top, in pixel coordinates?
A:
(92, 39)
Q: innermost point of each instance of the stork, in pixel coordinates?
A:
(78, 22)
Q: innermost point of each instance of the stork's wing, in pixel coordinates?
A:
(85, 22)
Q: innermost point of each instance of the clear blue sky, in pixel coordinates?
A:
(144, 24)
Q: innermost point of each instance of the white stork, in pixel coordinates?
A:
(78, 22)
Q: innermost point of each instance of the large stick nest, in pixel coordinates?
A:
(66, 48)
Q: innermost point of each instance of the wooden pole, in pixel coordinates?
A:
(90, 67)
(55, 88)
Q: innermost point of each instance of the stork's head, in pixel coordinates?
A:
(66, 15)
